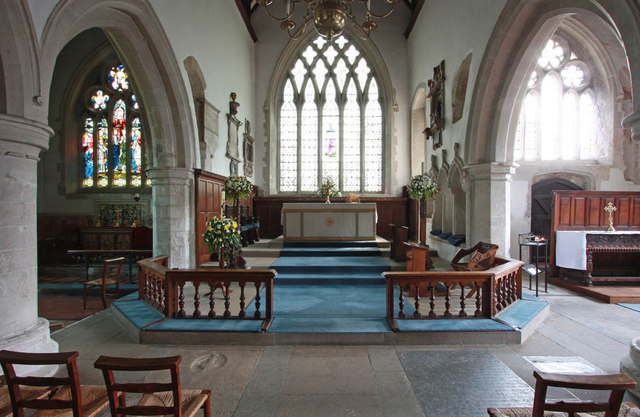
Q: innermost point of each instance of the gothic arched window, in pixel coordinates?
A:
(112, 136)
(559, 119)
(331, 120)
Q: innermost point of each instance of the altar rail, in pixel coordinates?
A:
(164, 290)
(483, 293)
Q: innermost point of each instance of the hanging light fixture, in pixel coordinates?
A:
(329, 16)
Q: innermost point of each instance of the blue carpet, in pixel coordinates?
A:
(330, 263)
(522, 312)
(137, 312)
(634, 307)
(203, 325)
(451, 325)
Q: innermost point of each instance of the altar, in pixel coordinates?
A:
(597, 256)
(334, 221)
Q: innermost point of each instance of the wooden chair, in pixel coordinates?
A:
(157, 398)
(615, 383)
(70, 398)
(31, 393)
(110, 276)
(482, 257)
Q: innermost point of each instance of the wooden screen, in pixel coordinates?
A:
(208, 204)
(584, 210)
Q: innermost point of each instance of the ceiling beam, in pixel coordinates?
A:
(416, 7)
(244, 7)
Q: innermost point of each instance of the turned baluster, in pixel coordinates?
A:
(181, 312)
(257, 314)
(242, 313)
(514, 285)
(505, 292)
(416, 313)
(212, 302)
(447, 300)
(462, 313)
(145, 287)
(432, 300)
(478, 312)
(196, 301)
(401, 303)
(227, 300)
(498, 296)
(154, 291)
(161, 295)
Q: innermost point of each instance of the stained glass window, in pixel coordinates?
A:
(112, 134)
(559, 118)
(331, 120)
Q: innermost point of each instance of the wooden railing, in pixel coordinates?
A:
(181, 293)
(481, 294)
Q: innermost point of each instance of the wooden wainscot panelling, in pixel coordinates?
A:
(579, 214)
(594, 207)
(635, 210)
(208, 204)
(390, 210)
(623, 212)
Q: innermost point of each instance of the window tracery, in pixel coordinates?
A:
(112, 137)
(330, 120)
(558, 119)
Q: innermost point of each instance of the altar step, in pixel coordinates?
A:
(611, 294)
(331, 263)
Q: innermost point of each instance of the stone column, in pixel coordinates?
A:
(632, 122)
(488, 204)
(21, 141)
(173, 215)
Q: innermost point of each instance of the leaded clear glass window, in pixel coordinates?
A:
(558, 119)
(112, 137)
(331, 120)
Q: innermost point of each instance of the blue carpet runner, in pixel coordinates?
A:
(330, 263)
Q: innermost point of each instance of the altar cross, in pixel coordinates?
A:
(610, 208)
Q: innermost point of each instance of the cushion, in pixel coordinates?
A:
(435, 232)
(455, 240)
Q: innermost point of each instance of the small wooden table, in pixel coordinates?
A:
(87, 255)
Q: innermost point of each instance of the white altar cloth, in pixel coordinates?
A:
(571, 247)
(334, 221)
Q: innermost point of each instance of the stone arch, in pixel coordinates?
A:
(418, 125)
(139, 39)
(198, 84)
(278, 78)
(19, 63)
(511, 54)
(442, 213)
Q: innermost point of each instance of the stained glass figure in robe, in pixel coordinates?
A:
(87, 146)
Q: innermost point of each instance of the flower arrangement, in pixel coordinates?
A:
(223, 236)
(236, 187)
(422, 186)
(328, 188)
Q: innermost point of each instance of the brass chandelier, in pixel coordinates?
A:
(329, 16)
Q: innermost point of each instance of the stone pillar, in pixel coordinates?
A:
(173, 215)
(632, 122)
(631, 365)
(488, 204)
(21, 329)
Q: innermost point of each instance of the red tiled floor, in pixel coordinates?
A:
(68, 308)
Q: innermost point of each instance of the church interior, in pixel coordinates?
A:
(433, 199)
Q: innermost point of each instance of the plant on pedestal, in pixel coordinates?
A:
(222, 236)
(236, 188)
(422, 187)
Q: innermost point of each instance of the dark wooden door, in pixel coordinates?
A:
(542, 202)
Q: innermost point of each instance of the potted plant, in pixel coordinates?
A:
(422, 187)
(328, 188)
(222, 236)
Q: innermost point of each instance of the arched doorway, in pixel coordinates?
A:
(542, 201)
